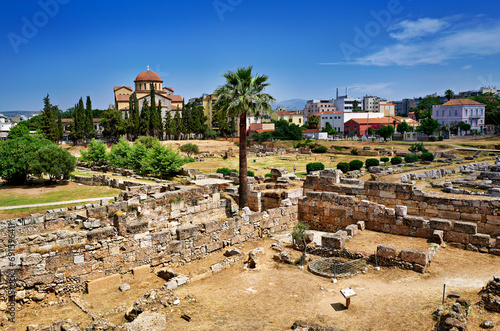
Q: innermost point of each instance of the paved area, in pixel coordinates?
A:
(56, 203)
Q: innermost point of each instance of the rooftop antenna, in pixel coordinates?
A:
(346, 91)
(337, 93)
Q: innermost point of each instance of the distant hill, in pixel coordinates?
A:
(12, 113)
(291, 104)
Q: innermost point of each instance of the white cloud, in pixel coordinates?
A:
(416, 29)
(463, 43)
(467, 67)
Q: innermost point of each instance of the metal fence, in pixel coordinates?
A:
(337, 268)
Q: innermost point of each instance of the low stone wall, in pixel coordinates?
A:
(64, 249)
(331, 212)
(406, 258)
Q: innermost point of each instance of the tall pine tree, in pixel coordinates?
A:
(155, 120)
(177, 125)
(145, 119)
(60, 127)
(169, 129)
(89, 132)
(160, 129)
(136, 122)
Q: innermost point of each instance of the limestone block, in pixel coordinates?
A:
(352, 230)
(440, 224)
(465, 227)
(401, 210)
(142, 272)
(480, 239)
(361, 225)
(387, 252)
(413, 256)
(437, 236)
(186, 232)
(457, 237)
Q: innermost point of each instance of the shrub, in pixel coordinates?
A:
(432, 138)
(371, 163)
(396, 160)
(162, 161)
(190, 149)
(95, 154)
(417, 147)
(385, 158)
(250, 173)
(354, 151)
(315, 166)
(320, 149)
(338, 148)
(427, 157)
(268, 175)
(148, 141)
(225, 171)
(355, 165)
(411, 158)
(343, 166)
(440, 138)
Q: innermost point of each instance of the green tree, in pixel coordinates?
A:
(312, 122)
(95, 154)
(355, 105)
(145, 119)
(161, 131)
(403, 127)
(78, 128)
(60, 126)
(49, 120)
(163, 161)
(242, 94)
(19, 130)
(464, 126)
(299, 235)
(138, 157)
(112, 124)
(424, 107)
(16, 155)
(136, 122)
(328, 127)
(89, 121)
(148, 141)
(119, 156)
(449, 94)
(428, 126)
(177, 125)
(385, 131)
(154, 118)
(54, 161)
(190, 149)
(169, 129)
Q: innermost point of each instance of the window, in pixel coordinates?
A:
(456, 112)
(466, 112)
(300, 120)
(355, 127)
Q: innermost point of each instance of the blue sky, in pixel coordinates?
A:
(393, 49)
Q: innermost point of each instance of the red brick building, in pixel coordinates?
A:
(358, 126)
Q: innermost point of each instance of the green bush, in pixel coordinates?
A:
(250, 173)
(315, 166)
(268, 175)
(396, 160)
(354, 151)
(355, 165)
(343, 166)
(417, 147)
(440, 138)
(384, 159)
(95, 154)
(320, 149)
(148, 141)
(427, 157)
(371, 163)
(432, 138)
(225, 171)
(189, 149)
(338, 148)
(411, 158)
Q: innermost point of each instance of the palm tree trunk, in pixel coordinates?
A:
(243, 189)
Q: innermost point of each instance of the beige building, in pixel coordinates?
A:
(387, 108)
(207, 101)
(295, 117)
(142, 85)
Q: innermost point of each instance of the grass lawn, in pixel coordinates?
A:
(28, 195)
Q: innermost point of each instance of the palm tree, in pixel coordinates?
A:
(243, 94)
(355, 105)
(449, 94)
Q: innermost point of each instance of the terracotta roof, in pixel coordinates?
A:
(462, 102)
(285, 113)
(122, 97)
(330, 112)
(175, 98)
(148, 76)
(311, 131)
(382, 120)
(119, 87)
(260, 130)
(170, 88)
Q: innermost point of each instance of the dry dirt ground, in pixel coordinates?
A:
(275, 295)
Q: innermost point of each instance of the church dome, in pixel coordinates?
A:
(148, 76)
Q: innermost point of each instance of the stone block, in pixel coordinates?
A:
(212, 226)
(401, 230)
(361, 225)
(440, 224)
(103, 284)
(414, 221)
(437, 237)
(465, 227)
(424, 233)
(386, 252)
(142, 272)
(186, 232)
(333, 241)
(457, 237)
(352, 230)
(480, 239)
(401, 210)
(413, 256)
(176, 246)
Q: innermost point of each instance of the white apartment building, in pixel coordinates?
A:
(316, 106)
(371, 103)
(345, 103)
(5, 126)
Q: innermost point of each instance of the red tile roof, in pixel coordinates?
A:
(311, 131)
(260, 131)
(122, 97)
(175, 98)
(462, 102)
(330, 112)
(170, 88)
(383, 120)
(148, 76)
(119, 87)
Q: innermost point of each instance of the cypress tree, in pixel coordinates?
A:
(89, 121)
(49, 123)
(135, 117)
(60, 127)
(178, 126)
(160, 129)
(155, 121)
(145, 119)
(168, 124)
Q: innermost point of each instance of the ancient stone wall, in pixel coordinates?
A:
(63, 249)
(484, 213)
